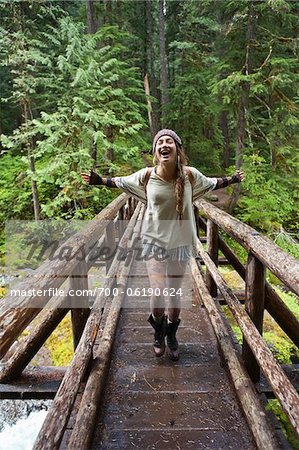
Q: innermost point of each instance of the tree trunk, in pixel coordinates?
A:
(151, 67)
(93, 150)
(163, 64)
(149, 105)
(34, 187)
(110, 137)
(26, 116)
(92, 25)
(243, 103)
(225, 133)
(26, 113)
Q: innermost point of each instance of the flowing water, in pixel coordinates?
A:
(20, 422)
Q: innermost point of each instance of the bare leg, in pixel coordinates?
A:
(175, 276)
(157, 277)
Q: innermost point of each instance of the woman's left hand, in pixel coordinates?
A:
(240, 176)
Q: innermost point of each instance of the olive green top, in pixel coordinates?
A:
(161, 224)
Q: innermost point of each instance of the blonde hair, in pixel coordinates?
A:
(182, 160)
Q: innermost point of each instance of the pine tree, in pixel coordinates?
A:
(94, 91)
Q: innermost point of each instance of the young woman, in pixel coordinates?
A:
(168, 230)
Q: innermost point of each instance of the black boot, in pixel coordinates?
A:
(160, 333)
(172, 343)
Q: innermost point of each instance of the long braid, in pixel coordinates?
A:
(182, 161)
(180, 181)
(179, 189)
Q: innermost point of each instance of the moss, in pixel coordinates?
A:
(232, 278)
(282, 347)
(3, 291)
(275, 406)
(284, 350)
(291, 300)
(60, 343)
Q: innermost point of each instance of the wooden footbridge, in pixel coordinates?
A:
(115, 394)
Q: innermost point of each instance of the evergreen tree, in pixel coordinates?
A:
(193, 110)
(96, 93)
(270, 110)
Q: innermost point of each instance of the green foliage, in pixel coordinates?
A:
(284, 350)
(13, 197)
(96, 101)
(60, 343)
(291, 300)
(194, 112)
(282, 347)
(238, 249)
(268, 198)
(287, 242)
(266, 70)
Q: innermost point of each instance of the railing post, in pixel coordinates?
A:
(195, 212)
(127, 210)
(120, 220)
(131, 206)
(79, 303)
(254, 305)
(110, 242)
(212, 249)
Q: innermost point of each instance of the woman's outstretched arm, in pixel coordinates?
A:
(238, 177)
(93, 179)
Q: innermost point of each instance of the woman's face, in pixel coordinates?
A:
(166, 151)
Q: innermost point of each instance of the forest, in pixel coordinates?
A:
(87, 84)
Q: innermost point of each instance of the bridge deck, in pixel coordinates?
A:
(155, 403)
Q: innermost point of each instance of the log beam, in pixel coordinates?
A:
(110, 243)
(30, 345)
(273, 303)
(80, 301)
(283, 265)
(17, 312)
(254, 305)
(212, 248)
(83, 431)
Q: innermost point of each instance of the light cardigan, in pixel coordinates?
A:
(161, 225)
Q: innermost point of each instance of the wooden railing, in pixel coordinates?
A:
(259, 295)
(16, 313)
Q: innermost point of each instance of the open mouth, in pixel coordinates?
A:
(165, 152)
